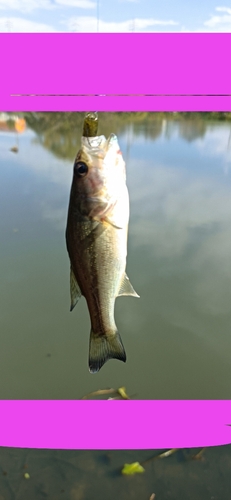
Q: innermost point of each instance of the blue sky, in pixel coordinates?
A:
(114, 16)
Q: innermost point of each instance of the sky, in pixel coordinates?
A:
(115, 16)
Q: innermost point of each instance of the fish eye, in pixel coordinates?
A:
(81, 169)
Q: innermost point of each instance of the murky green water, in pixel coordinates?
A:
(82, 475)
(177, 335)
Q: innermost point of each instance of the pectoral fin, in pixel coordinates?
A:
(126, 288)
(75, 290)
(109, 221)
(103, 211)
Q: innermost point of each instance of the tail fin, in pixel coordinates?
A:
(103, 348)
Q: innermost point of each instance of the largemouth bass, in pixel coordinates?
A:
(96, 238)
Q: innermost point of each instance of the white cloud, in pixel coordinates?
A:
(173, 212)
(30, 5)
(25, 5)
(224, 9)
(82, 4)
(89, 24)
(20, 25)
(220, 23)
(217, 142)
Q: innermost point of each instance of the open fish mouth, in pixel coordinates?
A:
(99, 146)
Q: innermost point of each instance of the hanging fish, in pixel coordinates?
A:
(96, 238)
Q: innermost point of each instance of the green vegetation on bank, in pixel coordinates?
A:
(60, 132)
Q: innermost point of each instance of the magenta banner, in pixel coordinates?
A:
(117, 103)
(115, 424)
(113, 64)
(115, 72)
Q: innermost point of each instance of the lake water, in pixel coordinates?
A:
(82, 475)
(177, 335)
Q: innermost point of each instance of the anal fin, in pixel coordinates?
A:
(126, 288)
(74, 289)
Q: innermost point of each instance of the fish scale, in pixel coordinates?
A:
(96, 237)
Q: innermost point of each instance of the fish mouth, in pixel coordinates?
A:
(99, 144)
(95, 146)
